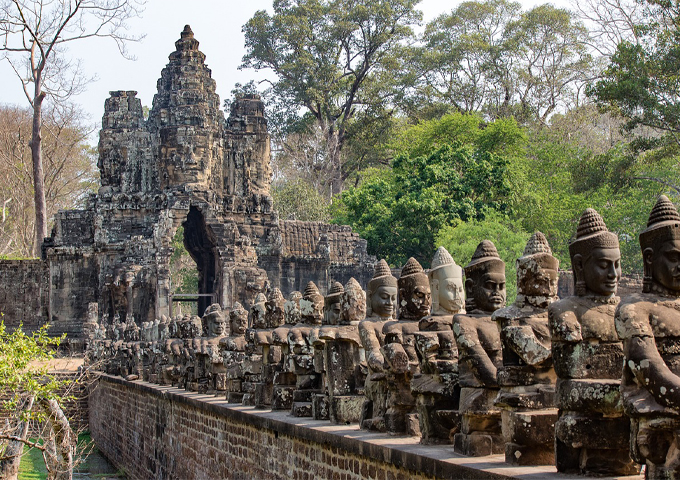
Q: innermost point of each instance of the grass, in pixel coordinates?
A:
(32, 465)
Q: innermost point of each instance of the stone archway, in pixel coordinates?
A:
(200, 242)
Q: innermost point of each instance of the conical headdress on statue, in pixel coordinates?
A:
(663, 224)
(382, 276)
(485, 256)
(592, 233)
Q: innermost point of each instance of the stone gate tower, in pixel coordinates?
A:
(186, 165)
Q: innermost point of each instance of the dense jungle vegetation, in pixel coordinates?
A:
(489, 121)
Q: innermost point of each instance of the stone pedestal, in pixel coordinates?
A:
(481, 432)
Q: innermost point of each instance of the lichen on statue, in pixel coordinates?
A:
(436, 386)
(649, 324)
(591, 434)
(526, 378)
(399, 350)
(479, 353)
(381, 303)
(344, 357)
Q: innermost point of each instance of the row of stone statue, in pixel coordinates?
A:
(589, 383)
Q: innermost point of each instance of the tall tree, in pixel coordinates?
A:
(490, 57)
(328, 56)
(553, 63)
(456, 57)
(35, 34)
(68, 166)
(641, 82)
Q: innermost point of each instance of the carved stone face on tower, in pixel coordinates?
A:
(381, 292)
(485, 279)
(446, 284)
(415, 298)
(595, 257)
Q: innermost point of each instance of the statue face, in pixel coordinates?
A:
(451, 294)
(541, 282)
(489, 291)
(239, 323)
(383, 301)
(333, 313)
(417, 300)
(666, 265)
(217, 325)
(602, 271)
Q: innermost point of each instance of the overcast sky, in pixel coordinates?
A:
(216, 25)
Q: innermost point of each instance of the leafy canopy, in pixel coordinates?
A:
(449, 170)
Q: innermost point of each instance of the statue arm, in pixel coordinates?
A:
(374, 357)
(652, 372)
(522, 339)
(564, 325)
(471, 347)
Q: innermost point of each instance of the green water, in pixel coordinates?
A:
(93, 466)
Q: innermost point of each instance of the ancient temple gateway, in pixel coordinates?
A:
(185, 166)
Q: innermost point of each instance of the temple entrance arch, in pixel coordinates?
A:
(200, 242)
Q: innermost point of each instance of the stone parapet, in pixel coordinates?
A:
(152, 431)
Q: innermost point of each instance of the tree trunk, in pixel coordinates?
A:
(9, 464)
(38, 175)
(334, 157)
(60, 442)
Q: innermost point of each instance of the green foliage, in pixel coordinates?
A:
(641, 81)
(490, 57)
(448, 170)
(462, 239)
(336, 59)
(183, 271)
(298, 200)
(23, 370)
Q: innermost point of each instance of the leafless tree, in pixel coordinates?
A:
(34, 39)
(68, 167)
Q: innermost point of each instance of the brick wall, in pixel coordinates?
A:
(165, 433)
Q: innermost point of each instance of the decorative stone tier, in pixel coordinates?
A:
(152, 431)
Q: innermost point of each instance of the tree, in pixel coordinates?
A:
(461, 241)
(330, 57)
(298, 200)
(455, 63)
(32, 396)
(460, 177)
(552, 60)
(68, 166)
(35, 34)
(489, 57)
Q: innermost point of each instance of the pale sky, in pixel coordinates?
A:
(216, 25)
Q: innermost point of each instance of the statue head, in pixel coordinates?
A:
(311, 305)
(660, 243)
(352, 303)
(257, 312)
(332, 304)
(381, 292)
(595, 257)
(215, 325)
(446, 284)
(537, 269)
(238, 319)
(292, 308)
(485, 279)
(275, 316)
(415, 297)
